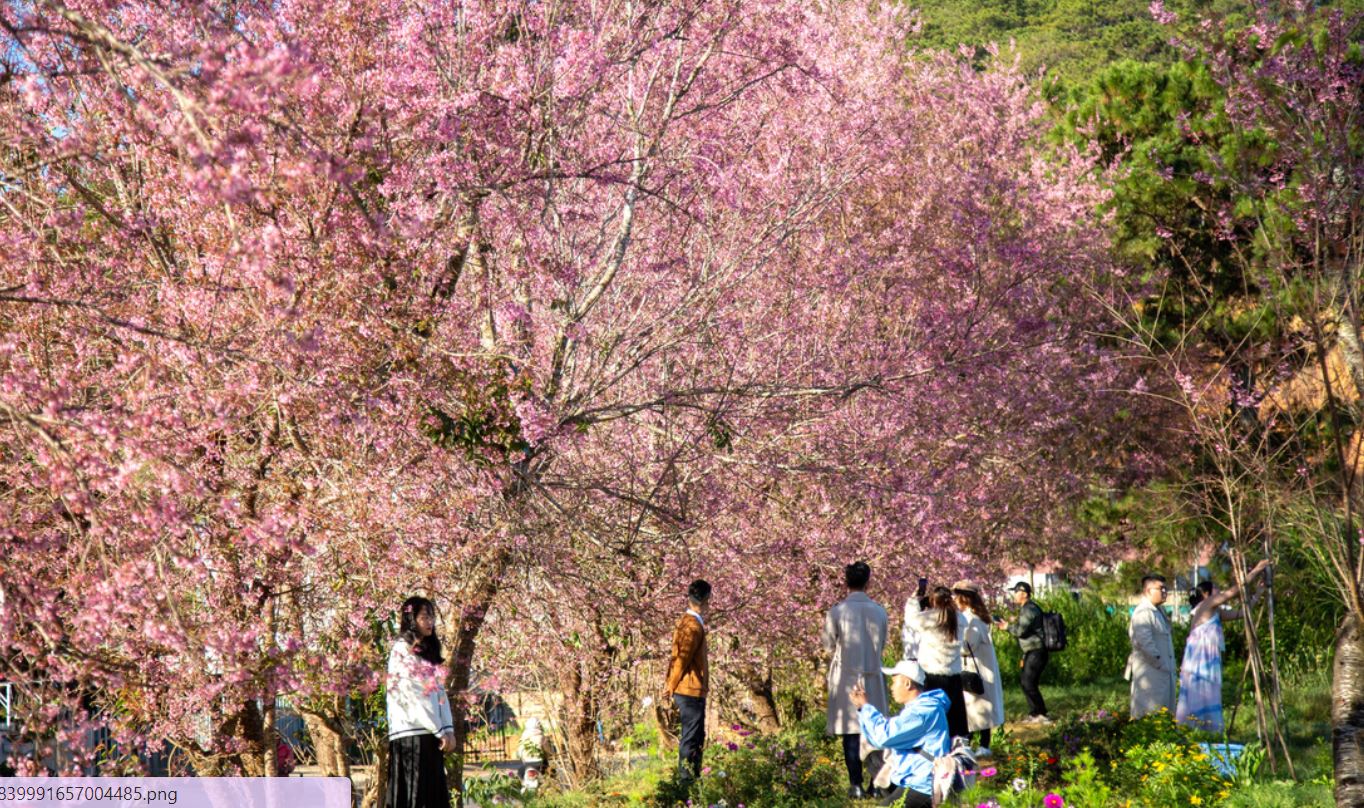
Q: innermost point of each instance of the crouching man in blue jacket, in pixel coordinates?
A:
(914, 737)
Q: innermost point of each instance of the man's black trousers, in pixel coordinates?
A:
(1033, 664)
(693, 737)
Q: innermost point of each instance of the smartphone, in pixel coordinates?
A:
(923, 584)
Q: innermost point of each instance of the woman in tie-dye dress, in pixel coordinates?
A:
(1200, 677)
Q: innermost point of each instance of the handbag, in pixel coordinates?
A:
(971, 681)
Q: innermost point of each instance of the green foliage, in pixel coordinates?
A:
(642, 736)
(492, 787)
(1166, 125)
(1101, 759)
(1031, 762)
(1070, 39)
(634, 787)
(1281, 794)
(1098, 733)
(787, 770)
(1158, 727)
(1309, 607)
(483, 423)
(1091, 757)
(1170, 773)
(1084, 784)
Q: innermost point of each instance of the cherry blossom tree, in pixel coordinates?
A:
(541, 308)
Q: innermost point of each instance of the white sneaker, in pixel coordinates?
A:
(1042, 719)
(982, 752)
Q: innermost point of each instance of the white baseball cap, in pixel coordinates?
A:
(908, 668)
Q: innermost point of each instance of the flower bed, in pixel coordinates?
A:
(1103, 758)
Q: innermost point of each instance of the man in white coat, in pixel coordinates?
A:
(855, 634)
(1151, 665)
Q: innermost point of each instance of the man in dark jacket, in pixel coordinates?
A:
(1028, 630)
(689, 677)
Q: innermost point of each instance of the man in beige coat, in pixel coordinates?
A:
(1151, 665)
(855, 634)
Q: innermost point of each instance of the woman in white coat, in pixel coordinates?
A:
(420, 727)
(932, 635)
(984, 711)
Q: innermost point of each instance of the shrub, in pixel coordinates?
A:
(1100, 732)
(492, 788)
(1170, 773)
(776, 771)
(1090, 757)
(1035, 764)
(1156, 727)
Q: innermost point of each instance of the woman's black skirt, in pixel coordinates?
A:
(416, 773)
(956, 698)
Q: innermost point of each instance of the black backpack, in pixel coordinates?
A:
(1053, 631)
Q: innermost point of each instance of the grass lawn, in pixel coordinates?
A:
(1307, 713)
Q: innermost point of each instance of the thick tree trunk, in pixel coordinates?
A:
(270, 738)
(325, 718)
(329, 743)
(377, 792)
(247, 727)
(269, 734)
(668, 721)
(1347, 713)
(478, 600)
(759, 684)
(580, 725)
(252, 730)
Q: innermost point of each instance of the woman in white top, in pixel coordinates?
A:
(420, 726)
(985, 711)
(932, 636)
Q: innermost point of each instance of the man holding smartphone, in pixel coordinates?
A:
(855, 635)
(1028, 630)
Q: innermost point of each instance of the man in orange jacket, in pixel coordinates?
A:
(689, 677)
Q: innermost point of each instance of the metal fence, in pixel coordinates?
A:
(491, 745)
(493, 731)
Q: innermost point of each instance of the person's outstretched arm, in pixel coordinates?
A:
(1230, 593)
(903, 732)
